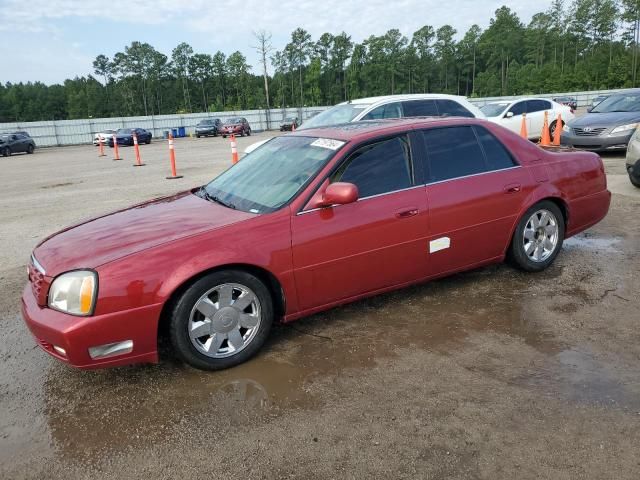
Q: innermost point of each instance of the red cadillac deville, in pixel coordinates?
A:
(307, 221)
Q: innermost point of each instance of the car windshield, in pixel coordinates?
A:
(629, 102)
(343, 113)
(124, 130)
(232, 121)
(269, 177)
(206, 122)
(493, 109)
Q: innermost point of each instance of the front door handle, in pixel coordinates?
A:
(406, 213)
(513, 188)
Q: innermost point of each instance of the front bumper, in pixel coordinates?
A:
(76, 335)
(597, 143)
(208, 131)
(229, 131)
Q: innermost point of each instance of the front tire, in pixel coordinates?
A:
(221, 320)
(538, 237)
(635, 180)
(552, 128)
(30, 149)
(6, 151)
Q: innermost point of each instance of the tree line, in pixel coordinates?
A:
(578, 45)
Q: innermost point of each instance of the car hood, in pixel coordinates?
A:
(204, 127)
(605, 119)
(125, 232)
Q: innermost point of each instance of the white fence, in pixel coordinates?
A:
(74, 132)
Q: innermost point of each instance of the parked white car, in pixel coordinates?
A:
(509, 114)
(105, 135)
(390, 106)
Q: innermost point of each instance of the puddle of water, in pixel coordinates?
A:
(586, 241)
(576, 375)
(116, 409)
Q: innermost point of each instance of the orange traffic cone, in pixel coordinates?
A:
(234, 149)
(116, 154)
(101, 145)
(172, 160)
(523, 127)
(558, 131)
(545, 139)
(136, 147)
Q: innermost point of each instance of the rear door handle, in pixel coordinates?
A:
(512, 188)
(408, 212)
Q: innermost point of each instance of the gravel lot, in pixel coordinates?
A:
(491, 374)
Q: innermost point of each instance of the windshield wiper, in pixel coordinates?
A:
(212, 198)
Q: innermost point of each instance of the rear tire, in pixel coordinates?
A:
(635, 180)
(552, 128)
(249, 133)
(30, 149)
(538, 237)
(6, 152)
(221, 320)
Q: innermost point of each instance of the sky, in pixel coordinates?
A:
(51, 40)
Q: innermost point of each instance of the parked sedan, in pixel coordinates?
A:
(309, 220)
(124, 136)
(208, 127)
(236, 126)
(509, 114)
(571, 102)
(105, 135)
(608, 126)
(633, 158)
(288, 124)
(15, 143)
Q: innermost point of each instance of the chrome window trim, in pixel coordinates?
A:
(303, 212)
(361, 199)
(473, 175)
(36, 264)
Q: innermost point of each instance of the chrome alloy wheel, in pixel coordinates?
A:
(224, 320)
(540, 237)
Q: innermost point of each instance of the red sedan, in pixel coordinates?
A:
(305, 222)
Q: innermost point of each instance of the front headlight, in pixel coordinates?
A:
(74, 292)
(566, 128)
(624, 128)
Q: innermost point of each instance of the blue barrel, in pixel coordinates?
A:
(182, 132)
(174, 132)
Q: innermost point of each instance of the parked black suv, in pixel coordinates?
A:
(16, 142)
(210, 126)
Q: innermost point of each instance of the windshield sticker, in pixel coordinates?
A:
(327, 143)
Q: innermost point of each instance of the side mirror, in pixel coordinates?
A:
(339, 193)
(509, 115)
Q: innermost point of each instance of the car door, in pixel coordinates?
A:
(16, 144)
(475, 191)
(378, 241)
(535, 114)
(514, 123)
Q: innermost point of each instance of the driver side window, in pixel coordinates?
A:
(378, 168)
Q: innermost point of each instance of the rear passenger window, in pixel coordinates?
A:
(497, 156)
(390, 110)
(420, 108)
(453, 152)
(449, 108)
(378, 168)
(537, 105)
(518, 108)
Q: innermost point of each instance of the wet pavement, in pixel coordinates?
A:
(493, 373)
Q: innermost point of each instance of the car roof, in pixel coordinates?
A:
(409, 96)
(364, 129)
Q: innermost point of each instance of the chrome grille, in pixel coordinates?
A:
(589, 131)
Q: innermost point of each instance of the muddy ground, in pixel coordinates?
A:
(490, 374)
